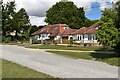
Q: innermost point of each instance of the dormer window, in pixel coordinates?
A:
(66, 27)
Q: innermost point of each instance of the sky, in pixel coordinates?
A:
(36, 9)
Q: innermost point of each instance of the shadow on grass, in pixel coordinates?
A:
(104, 55)
(105, 49)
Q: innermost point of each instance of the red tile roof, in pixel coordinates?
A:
(91, 31)
(68, 32)
(58, 29)
(87, 30)
(82, 30)
(53, 30)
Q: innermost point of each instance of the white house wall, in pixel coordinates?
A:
(78, 38)
(84, 38)
(42, 36)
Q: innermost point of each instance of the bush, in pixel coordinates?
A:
(49, 42)
(36, 41)
(54, 42)
(85, 44)
(7, 39)
(70, 42)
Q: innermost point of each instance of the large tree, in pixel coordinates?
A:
(66, 12)
(118, 25)
(13, 21)
(118, 14)
(108, 34)
(8, 11)
(21, 24)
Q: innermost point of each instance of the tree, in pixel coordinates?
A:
(33, 29)
(118, 25)
(13, 21)
(118, 14)
(8, 11)
(108, 34)
(21, 23)
(66, 12)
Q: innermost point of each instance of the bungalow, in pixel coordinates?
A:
(54, 32)
(63, 33)
(86, 35)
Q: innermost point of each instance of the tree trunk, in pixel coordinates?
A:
(16, 35)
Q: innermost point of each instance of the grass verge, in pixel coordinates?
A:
(82, 48)
(111, 59)
(13, 70)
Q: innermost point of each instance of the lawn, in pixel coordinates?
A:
(13, 70)
(82, 48)
(111, 59)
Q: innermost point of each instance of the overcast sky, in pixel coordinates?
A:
(36, 9)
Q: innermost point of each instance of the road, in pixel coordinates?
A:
(57, 66)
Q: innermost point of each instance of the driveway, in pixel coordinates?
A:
(57, 66)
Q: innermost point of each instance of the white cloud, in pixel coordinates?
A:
(34, 20)
(38, 8)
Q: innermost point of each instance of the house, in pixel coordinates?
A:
(62, 33)
(58, 32)
(85, 35)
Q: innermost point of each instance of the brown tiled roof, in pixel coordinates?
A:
(68, 32)
(52, 29)
(91, 31)
(87, 30)
(82, 30)
(57, 29)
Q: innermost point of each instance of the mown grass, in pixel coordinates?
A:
(82, 48)
(13, 70)
(111, 59)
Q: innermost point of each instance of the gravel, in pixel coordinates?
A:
(57, 66)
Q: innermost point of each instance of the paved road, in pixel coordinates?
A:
(57, 66)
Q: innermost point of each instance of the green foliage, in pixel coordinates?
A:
(17, 22)
(66, 12)
(7, 39)
(108, 34)
(33, 29)
(8, 11)
(118, 14)
(117, 47)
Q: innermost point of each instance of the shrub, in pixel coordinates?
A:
(36, 41)
(7, 39)
(85, 44)
(49, 42)
(70, 42)
(54, 42)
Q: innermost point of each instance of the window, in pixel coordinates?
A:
(83, 36)
(79, 37)
(66, 27)
(43, 35)
(89, 37)
(39, 36)
(94, 37)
